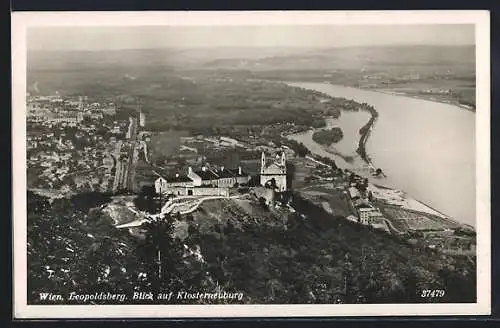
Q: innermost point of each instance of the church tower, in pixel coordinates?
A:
(262, 162)
(274, 173)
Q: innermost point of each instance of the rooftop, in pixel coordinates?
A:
(207, 174)
(225, 173)
(237, 173)
(180, 178)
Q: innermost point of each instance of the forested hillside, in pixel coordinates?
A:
(269, 257)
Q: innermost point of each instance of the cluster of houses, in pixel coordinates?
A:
(55, 109)
(36, 113)
(367, 213)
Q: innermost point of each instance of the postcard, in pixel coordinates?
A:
(251, 164)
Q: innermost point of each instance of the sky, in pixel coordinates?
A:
(318, 36)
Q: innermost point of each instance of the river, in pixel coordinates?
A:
(425, 148)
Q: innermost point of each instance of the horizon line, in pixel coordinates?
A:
(262, 47)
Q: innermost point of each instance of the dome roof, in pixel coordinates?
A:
(274, 168)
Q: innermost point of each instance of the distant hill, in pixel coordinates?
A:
(167, 58)
(254, 58)
(357, 58)
(82, 60)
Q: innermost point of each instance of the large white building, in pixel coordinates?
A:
(206, 181)
(65, 117)
(273, 173)
(369, 215)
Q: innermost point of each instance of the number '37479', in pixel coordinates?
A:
(432, 293)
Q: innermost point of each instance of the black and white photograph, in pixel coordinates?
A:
(251, 164)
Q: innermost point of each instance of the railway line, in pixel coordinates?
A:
(125, 166)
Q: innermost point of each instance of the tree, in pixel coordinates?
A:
(352, 178)
(263, 202)
(229, 228)
(410, 283)
(459, 286)
(327, 137)
(146, 200)
(87, 200)
(160, 160)
(162, 253)
(363, 186)
(298, 147)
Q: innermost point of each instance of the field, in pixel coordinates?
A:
(118, 210)
(237, 211)
(420, 223)
(164, 144)
(338, 202)
(144, 175)
(303, 168)
(438, 73)
(457, 88)
(206, 103)
(323, 193)
(404, 220)
(455, 91)
(334, 201)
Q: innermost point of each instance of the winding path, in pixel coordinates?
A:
(169, 207)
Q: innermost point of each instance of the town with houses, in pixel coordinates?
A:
(78, 144)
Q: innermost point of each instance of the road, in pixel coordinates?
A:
(132, 156)
(125, 169)
(118, 167)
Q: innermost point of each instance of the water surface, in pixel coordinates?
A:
(426, 148)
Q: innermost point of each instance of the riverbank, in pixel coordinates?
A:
(416, 205)
(394, 203)
(398, 134)
(358, 148)
(365, 134)
(435, 98)
(427, 97)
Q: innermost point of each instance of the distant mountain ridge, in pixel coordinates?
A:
(194, 57)
(254, 58)
(357, 58)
